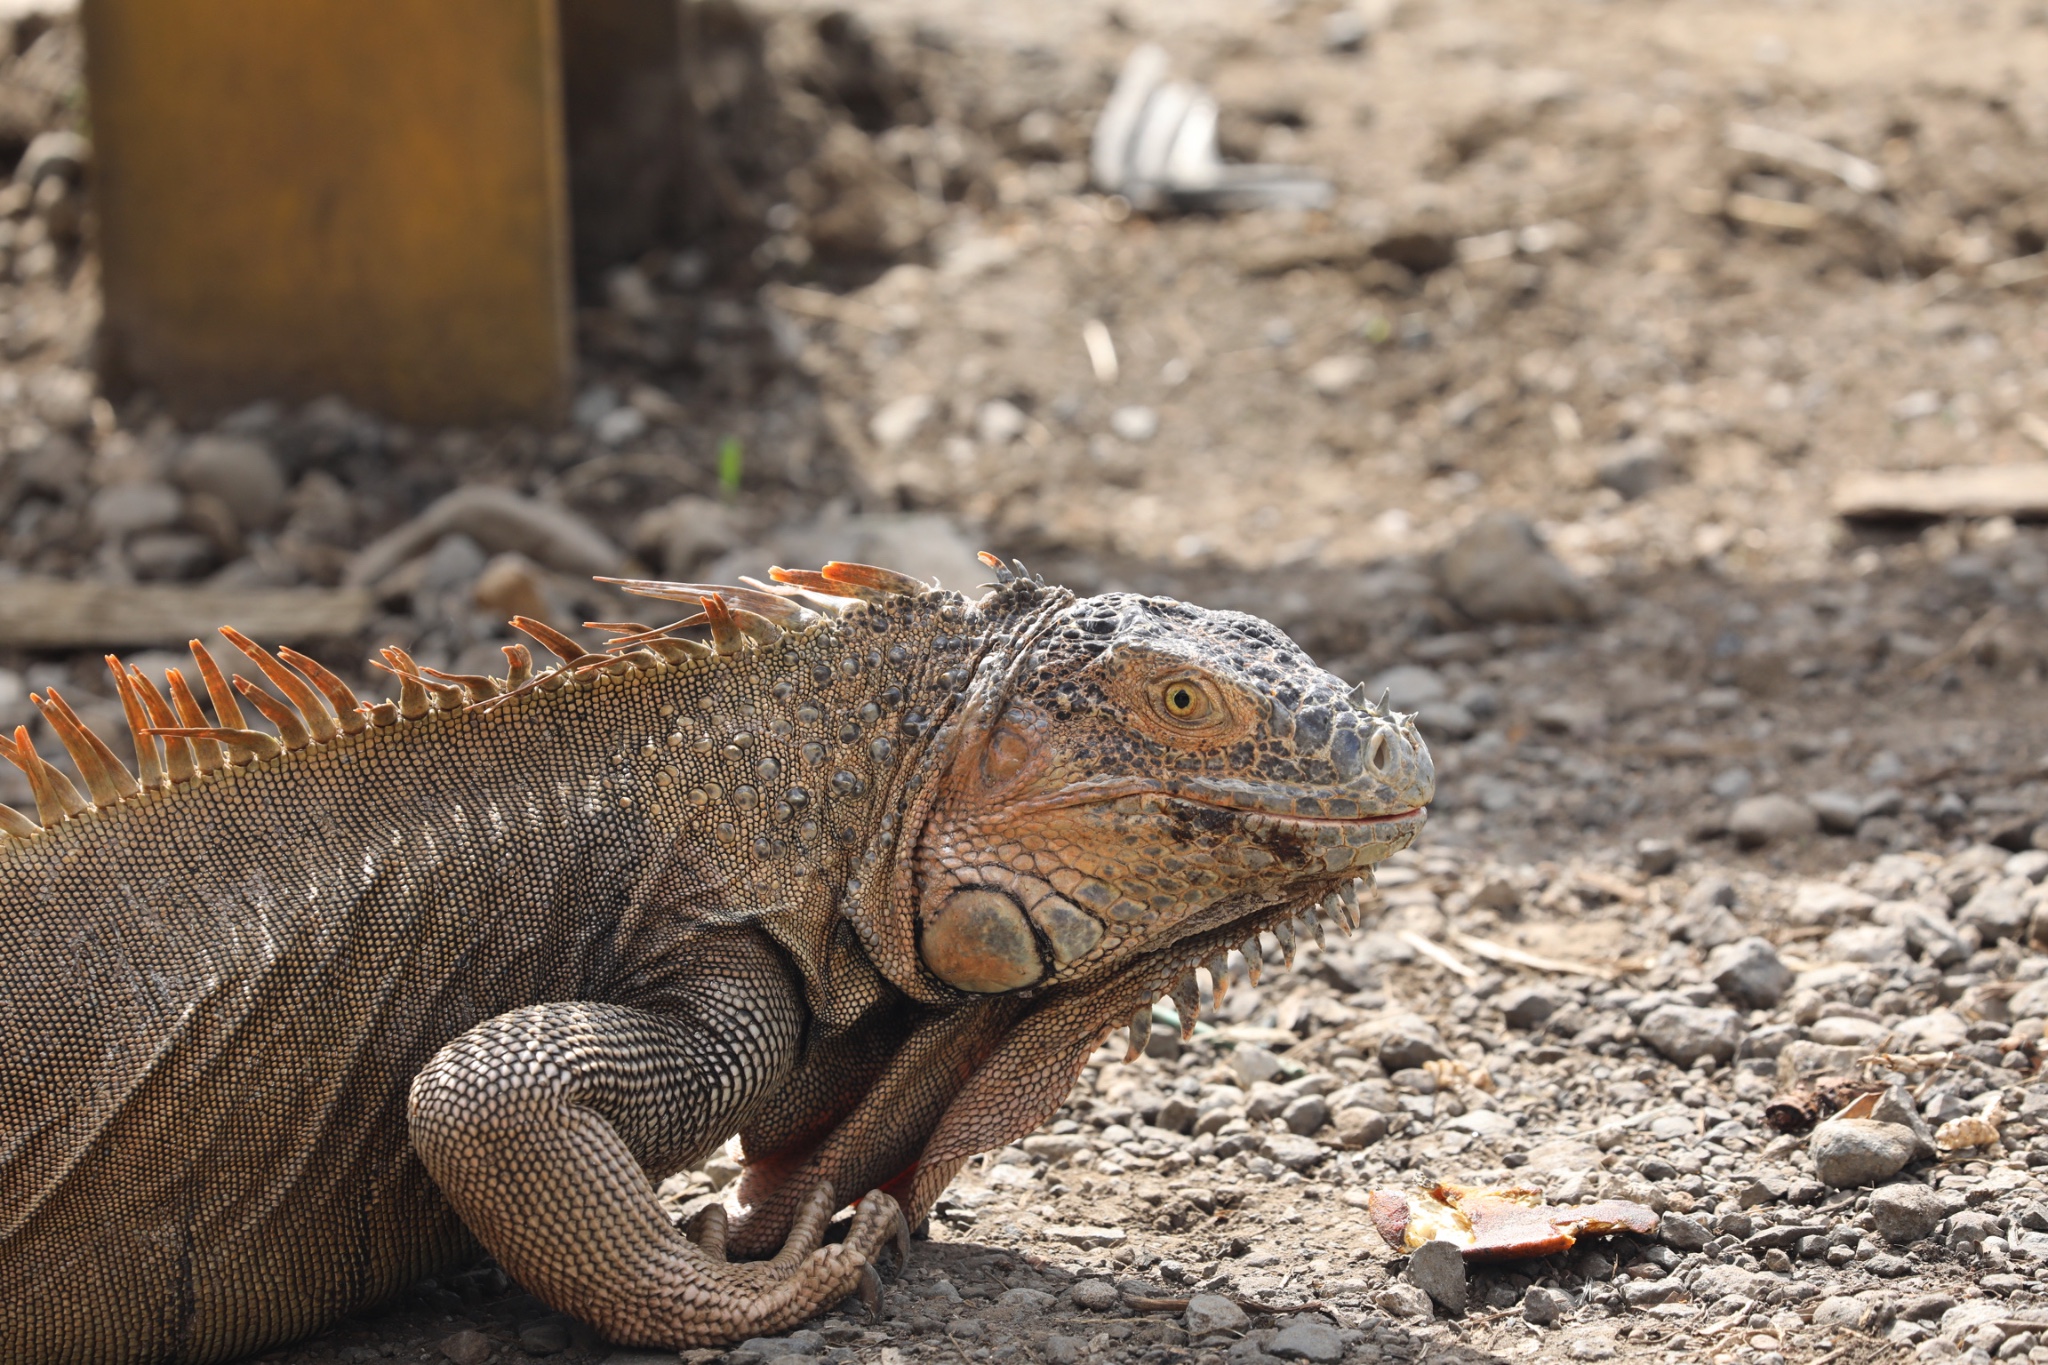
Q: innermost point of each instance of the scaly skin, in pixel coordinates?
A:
(283, 1035)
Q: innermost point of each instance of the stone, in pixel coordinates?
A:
(2030, 1001)
(999, 422)
(498, 520)
(1086, 1235)
(1023, 1296)
(1828, 904)
(1905, 1212)
(124, 509)
(511, 585)
(1208, 1313)
(1178, 1114)
(1716, 1282)
(1732, 784)
(1852, 1152)
(1359, 1127)
(1437, 1268)
(467, 1347)
(896, 421)
(1306, 1115)
(1837, 811)
(1335, 375)
(1935, 1031)
(1841, 1310)
(1686, 1033)
(1403, 1301)
(1847, 1031)
(1409, 1044)
(1295, 1153)
(1681, 1233)
(1498, 569)
(1750, 973)
(1527, 1006)
(1055, 1146)
(1306, 1339)
(1878, 943)
(545, 1338)
(1771, 818)
(1064, 1350)
(1544, 1306)
(1656, 857)
(1135, 423)
(1998, 909)
(169, 556)
(58, 151)
(1930, 934)
(1485, 1123)
(1253, 1064)
(1800, 1061)
(1640, 468)
(1896, 1105)
(1095, 1296)
(688, 532)
(238, 471)
(925, 545)
(1408, 687)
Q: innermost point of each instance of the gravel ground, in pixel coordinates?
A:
(1536, 429)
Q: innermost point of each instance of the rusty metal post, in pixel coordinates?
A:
(302, 197)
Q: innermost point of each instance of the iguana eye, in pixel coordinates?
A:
(1184, 700)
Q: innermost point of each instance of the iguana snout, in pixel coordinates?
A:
(1155, 771)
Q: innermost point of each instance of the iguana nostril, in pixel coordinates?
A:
(1380, 752)
(979, 940)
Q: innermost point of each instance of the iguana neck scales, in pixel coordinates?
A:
(287, 1020)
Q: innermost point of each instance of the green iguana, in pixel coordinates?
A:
(287, 1020)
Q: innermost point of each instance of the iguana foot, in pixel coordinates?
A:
(739, 1299)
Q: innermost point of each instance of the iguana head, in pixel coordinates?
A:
(1144, 776)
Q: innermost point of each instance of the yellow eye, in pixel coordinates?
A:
(1184, 701)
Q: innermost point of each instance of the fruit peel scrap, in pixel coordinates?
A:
(1498, 1222)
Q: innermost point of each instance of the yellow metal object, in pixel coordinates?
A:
(303, 197)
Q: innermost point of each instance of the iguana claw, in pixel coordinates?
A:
(901, 1240)
(870, 1291)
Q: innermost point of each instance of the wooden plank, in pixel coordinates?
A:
(2011, 490)
(49, 613)
(323, 196)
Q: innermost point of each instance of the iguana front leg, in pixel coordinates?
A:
(543, 1125)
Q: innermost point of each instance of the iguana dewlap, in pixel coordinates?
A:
(287, 1019)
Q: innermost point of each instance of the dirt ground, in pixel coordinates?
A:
(1552, 283)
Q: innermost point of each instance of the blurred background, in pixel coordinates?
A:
(1654, 394)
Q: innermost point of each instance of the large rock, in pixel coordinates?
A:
(1295, 1153)
(1998, 909)
(1306, 1339)
(1208, 1313)
(1905, 1212)
(1408, 1043)
(1750, 973)
(924, 545)
(1930, 934)
(1851, 1152)
(1528, 1006)
(498, 520)
(240, 473)
(1500, 570)
(1760, 820)
(1686, 1033)
(1438, 1270)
